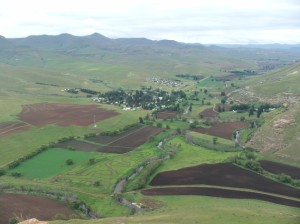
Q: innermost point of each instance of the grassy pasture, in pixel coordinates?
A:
(209, 82)
(190, 155)
(51, 162)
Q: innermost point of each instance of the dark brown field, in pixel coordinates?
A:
(115, 149)
(223, 174)
(122, 143)
(166, 114)
(137, 138)
(279, 168)
(223, 193)
(209, 113)
(63, 114)
(29, 206)
(80, 145)
(8, 128)
(222, 130)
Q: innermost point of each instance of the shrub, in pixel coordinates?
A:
(13, 220)
(60, 216)
(69, 162)
(2, 172)
(92, 161)
(16, 174)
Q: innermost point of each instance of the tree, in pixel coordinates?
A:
(223, 100)
(92, 161)
(259, 112)
(242, 118)
(141, 120)
(69, 162)
(191, 107)
(223, 94)
(2, 172)
(214, 140)
(205, 91)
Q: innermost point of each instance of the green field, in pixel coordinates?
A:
(52, 162)
(210, 82)
(189, 155)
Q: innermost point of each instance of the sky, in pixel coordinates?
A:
(190, 21)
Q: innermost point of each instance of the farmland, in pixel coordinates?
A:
(148, 138)
(223, 130)
(28, 206)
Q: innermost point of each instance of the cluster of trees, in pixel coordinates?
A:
(147, 99)
(189, 76)
(251, 108)
(77, 90)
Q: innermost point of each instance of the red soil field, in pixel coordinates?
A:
(223, 174)
(83, 146)
(222, 130)
(137, 138)
(223, 193)
(29, 206)
(108, 139)
(166, 114)
(209, 113)
(8, 128)
(279, 168)
(42, 114)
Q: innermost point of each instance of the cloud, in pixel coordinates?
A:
(214, 21)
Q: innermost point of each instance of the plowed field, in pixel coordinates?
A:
(29, 206)
(63, 114)
(222, 130)
(223, 174)
(166, 114)
(279, 168)
(223, 193)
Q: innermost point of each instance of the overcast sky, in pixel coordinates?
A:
(192, 21)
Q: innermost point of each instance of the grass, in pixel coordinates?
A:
(51, 162)
(210, 82)
(210, 210)
(190, 155)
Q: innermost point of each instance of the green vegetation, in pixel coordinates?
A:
(52, 162)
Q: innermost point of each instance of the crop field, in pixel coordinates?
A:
(209, 113)
(63, 114)
(278, 168)
(76, 144)
(223, 174)
(223, 130)
(51, 162)
(7, 128)
(216, 192)
(30, 206)
(120, 143)
(166, 114)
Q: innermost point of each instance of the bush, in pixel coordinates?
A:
(284, 178)
(2, 172)
(16, 174)
(69, 162)
(92, 161)
(13, 220)
(60, 216)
